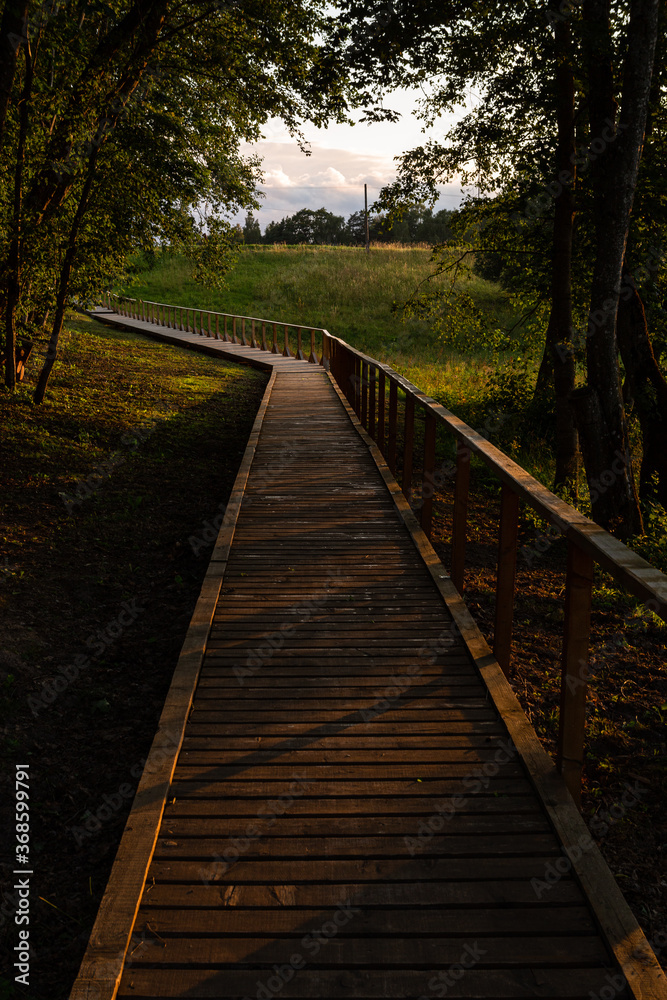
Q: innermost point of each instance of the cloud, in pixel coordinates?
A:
(329, 178)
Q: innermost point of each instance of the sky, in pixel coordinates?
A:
(343, 158)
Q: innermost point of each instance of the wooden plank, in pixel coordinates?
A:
(480, 984)
(258, 870)
(453, 824)
(406, 923)
(396, 895)
(513, 845)
(368, 952)
(409, 787)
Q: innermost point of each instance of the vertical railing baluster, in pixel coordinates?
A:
(364, 394)
(371, 400)
(508, 537)
(355, 365)
(460, 516)
(428, 484)
(575, 668)
(274, 349)
(313, 359)
(393, 426)
(264, 344)
(381, 411)
(299, 347)
(217, 327)
(408, 444)
(286, 351)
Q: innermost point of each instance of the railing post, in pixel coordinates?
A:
(244, 342)
(460, 518)
(428, 483)
(508, 537)
(575, 669)
(381, 411)
(355, 379)
(209, 324)
(393, 425)
(408, 444)
(364, 394)
(325, 360)
(313, 359)
(371, 400)
(286, 351)
(217, 327)
(264, 344)
(253, 338)
(274, 349)
(299, 348)
(234, 338)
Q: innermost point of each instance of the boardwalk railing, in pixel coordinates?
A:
(373, 389)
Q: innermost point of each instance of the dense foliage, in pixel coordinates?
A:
(418, 224)
(121, 127)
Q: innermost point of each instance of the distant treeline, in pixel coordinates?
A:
(320, 227)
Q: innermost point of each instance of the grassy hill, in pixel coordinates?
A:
(351, 294)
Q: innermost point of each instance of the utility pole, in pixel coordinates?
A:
(368, 239)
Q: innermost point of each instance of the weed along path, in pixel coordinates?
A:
(337, 802)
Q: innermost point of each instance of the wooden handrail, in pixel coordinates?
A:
(364, 381)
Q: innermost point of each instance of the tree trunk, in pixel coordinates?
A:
(599, 408)
(63, 283)
(646, 389)
(559, 331)
(13, 280)
(13, 33)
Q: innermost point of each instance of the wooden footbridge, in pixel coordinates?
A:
(344, 798)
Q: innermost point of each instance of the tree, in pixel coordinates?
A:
(544, 78)
(307, 226)
(251, 230)
(599, 405)
(124, 122)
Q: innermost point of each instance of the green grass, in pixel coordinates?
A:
(350, 294)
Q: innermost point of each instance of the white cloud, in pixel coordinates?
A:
(342, 160)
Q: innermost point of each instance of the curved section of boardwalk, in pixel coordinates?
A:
(348, 816)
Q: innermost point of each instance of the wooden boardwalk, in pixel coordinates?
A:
(349, 814)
